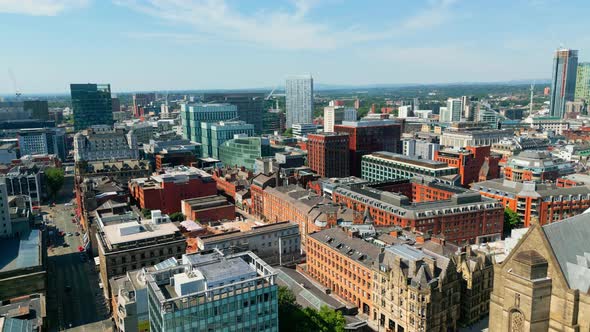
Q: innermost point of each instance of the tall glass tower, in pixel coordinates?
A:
(299, 95)
(563, 83)
(92, 105)
(583, 82)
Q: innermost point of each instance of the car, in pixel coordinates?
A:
(77, 233)
(68, 204)
(65, 245)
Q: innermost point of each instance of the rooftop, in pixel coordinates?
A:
(354, 248)
(528, 188)
(135, 231)
(400, 158)
(21, 253)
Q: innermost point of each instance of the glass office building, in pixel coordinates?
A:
(250, 105)
(92, 105)
(243, 151)
(583, 82)
(192, 115)
(215, 134)
(212, 292)
(299, 99)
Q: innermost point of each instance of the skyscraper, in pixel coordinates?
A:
(453, 111)
(563, 82)
(299, 91)
(92, 105)
(583, 82)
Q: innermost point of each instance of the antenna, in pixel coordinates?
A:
(14, 85)
(532, 93)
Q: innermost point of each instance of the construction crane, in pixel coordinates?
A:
(13, 79)
(271, 92)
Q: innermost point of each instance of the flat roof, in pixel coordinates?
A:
(145, 230)
(21, 253)
(409, 160)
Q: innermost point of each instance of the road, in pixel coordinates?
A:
(74, 300)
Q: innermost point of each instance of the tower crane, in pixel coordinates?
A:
(14, 85)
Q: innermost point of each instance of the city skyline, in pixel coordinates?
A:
(193, 44)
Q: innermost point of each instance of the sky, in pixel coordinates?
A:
(142, 45)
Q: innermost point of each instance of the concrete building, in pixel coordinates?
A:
(43, 141)
(215, 134)
(23, 267)
(465, 138)
(583, 82)
(5, 224)
(541, 203)
(192, 295)
(563, 81)
(368, 136)
(419, 148)
(276, 244)
(549, 123)
(536, 166)
(193, 114)
(544, 283)
(453, 112)
(135, 244)
(121, 170)
(166, 190)
(92, 105)
(250, 106)
(301, 130)
(384, 166)
(299, 99)
(104, 143)
(334, 115)
(328, 154)
(28, 181)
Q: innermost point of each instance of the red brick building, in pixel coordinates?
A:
(343, 264)
(368, 137)
(165, 191)
(259, 183)
(475, 163)
(208, 208)
(328, 155)
(542, 202)
(231, 180)
(459, 215)
(174, 158)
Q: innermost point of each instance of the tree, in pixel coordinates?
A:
(55, 180)
(146, 213)
(177, 216)
(288, 132)
(293, 318)
(511, 220)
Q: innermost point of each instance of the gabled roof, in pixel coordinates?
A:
(569, 240)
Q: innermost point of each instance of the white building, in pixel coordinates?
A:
(404, 112)
(453, 112)
(42, 141)
(334, 115)
(463, 139)
(5, 225)
(299, 98)
(422, 114)
(302, 129)
(104, 143)
(419, 148)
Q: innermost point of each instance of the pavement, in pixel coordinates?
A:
(74, 299)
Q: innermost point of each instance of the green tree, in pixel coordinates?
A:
(334, 320)
(288, 132)
(294, 318)
(511, 220)
(147, 213)
(177, 216)
(55, 180)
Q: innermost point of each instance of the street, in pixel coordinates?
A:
(74, 299)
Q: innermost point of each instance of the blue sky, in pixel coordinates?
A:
(209, 44)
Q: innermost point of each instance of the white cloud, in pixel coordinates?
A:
(281, 28)
(40, 7)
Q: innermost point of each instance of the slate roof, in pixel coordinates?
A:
(569, 240)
